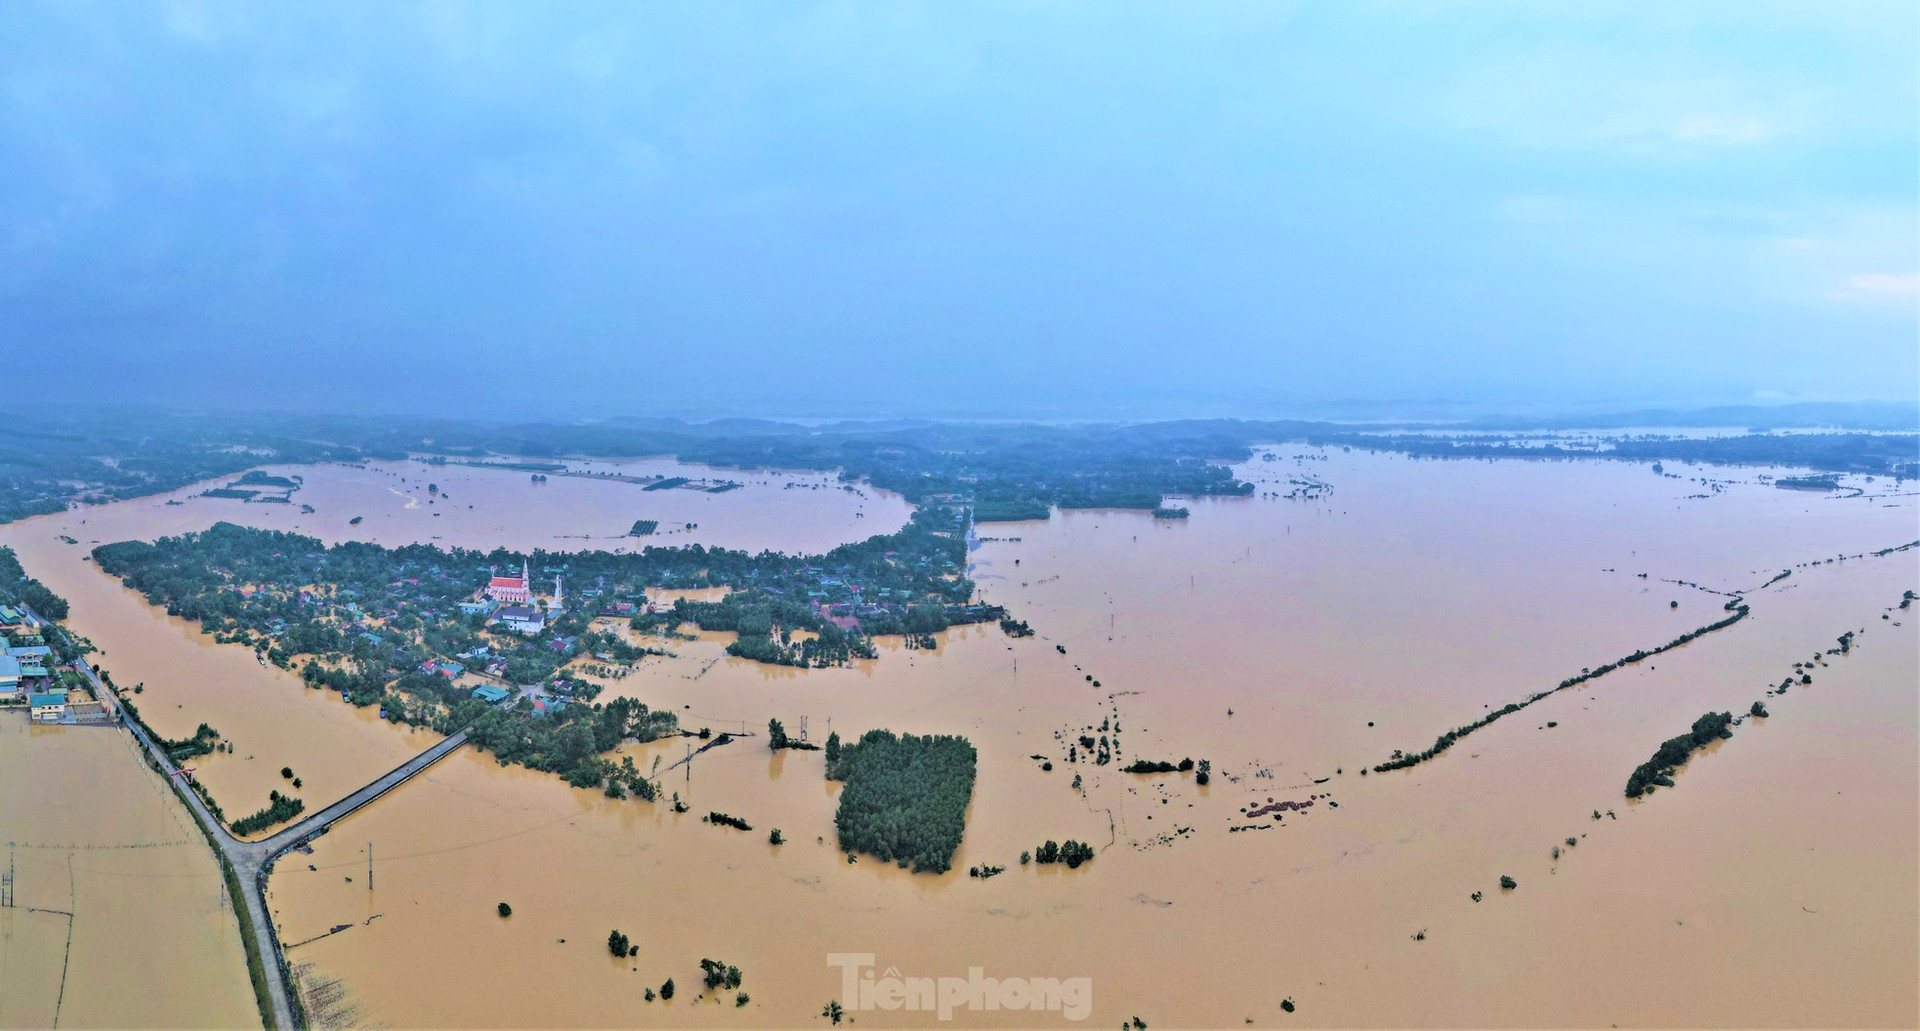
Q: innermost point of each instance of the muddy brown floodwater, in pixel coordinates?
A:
(152, 917)
(119, 915)
(1291, 642)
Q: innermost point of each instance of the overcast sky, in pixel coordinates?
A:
(985, 209)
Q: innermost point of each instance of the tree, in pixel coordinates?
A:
(719, 975)
(618, 944)
(666, 989)
(1508, 883)
(286, 772)
(833, 756)
(776, 735)
(505, 910)
(775, 838)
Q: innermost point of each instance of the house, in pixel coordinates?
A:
(30, 651)
(477, 608)
(9, 674)
(48, 708)
(511, 590)
(521, 618)
(490, 694)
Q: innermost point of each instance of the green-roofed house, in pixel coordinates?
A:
(48, 708)
(490, 694)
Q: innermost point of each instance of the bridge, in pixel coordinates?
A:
(252, 861)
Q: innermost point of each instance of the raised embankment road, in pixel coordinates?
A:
(251, 861)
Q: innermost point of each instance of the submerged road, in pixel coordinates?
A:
(253, 860)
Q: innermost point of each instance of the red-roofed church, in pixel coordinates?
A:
(512, 590)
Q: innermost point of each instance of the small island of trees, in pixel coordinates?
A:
(906, 796)
(1675, 751)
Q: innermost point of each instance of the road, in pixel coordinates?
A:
(252, 861)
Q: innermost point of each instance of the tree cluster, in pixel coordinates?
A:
(1675, 751)
(905, 799)
(1073, 853)
(280, 808)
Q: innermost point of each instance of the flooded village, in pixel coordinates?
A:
(1265, 659)
(848, 515)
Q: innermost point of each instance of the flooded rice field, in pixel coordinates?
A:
(1291, 641)
(118, 915)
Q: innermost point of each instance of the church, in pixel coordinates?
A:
(512, 590)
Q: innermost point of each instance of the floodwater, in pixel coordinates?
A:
(1292, 642)
(119, 915)
(86, 788)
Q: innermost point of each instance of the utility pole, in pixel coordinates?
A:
(369, 866)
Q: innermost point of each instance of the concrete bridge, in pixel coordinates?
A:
(252, 861)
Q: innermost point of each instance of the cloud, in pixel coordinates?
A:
(1712, 128)
(1874, 286)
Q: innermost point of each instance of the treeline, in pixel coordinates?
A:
(280, 808)
(1073, 853)
(58, 457)
(570, 743)
(1675, 751)
(723, 820)
(905, 799)
(1160, 766)
(201, 743)
(1882, 454)
(17, 586)
(1401, 760)
(1006, 472)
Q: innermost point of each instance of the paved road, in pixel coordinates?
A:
(253, 860)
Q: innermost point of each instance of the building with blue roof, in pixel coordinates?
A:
(48, 708)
